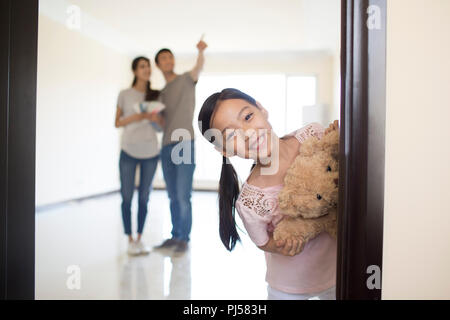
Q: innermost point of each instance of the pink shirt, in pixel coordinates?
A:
(311, 271)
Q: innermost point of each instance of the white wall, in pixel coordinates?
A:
(416, 254)
(77, 145)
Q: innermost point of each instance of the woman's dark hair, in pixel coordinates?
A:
(151, 94)
(161, 51)
(229, 183)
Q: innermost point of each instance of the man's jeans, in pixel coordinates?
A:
(178, 170)
(127, 166)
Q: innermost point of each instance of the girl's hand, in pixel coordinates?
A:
(333, 126)
(290, 247)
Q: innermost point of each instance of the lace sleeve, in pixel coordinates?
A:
(311, 130)
(255, 207)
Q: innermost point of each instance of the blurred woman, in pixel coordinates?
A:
(139, 146)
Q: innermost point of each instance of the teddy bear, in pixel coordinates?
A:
(309, 196)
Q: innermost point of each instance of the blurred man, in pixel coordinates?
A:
(177, 155)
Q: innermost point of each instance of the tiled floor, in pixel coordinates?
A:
(89, 236)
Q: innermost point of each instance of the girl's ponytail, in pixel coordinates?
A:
(228, 194)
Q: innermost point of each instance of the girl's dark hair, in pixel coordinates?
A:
(229, 183)
(151, 94)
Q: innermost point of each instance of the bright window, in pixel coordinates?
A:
(300, 93)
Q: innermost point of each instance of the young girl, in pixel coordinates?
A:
(139, 145)
(237, 125)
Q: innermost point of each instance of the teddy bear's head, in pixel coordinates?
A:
(311, 183)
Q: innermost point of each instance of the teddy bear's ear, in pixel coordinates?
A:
(330, 143)
(309, 147)
(334, 145)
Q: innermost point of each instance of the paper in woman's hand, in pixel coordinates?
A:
(149, 106)
(152, 106)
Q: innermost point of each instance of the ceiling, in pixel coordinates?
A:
(140, 26)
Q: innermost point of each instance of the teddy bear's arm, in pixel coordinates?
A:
(298, 228)
(305, 229)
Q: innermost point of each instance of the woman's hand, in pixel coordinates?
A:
(290, 247)
(122, 122)
(333, 126)
(155, 117)
(152, 116)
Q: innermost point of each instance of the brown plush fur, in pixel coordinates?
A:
(310, 193)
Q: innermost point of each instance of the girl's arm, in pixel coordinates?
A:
(259, 234)
(121, 122)
(270, 246)
(288, 248)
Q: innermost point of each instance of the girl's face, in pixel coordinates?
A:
(143, 70)
(244, 128)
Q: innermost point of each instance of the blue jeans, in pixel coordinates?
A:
(127, 166)
(178, 170)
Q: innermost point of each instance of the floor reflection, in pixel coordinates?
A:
(89, 235)
(140, 277)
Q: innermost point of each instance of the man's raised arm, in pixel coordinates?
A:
(195, 73)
